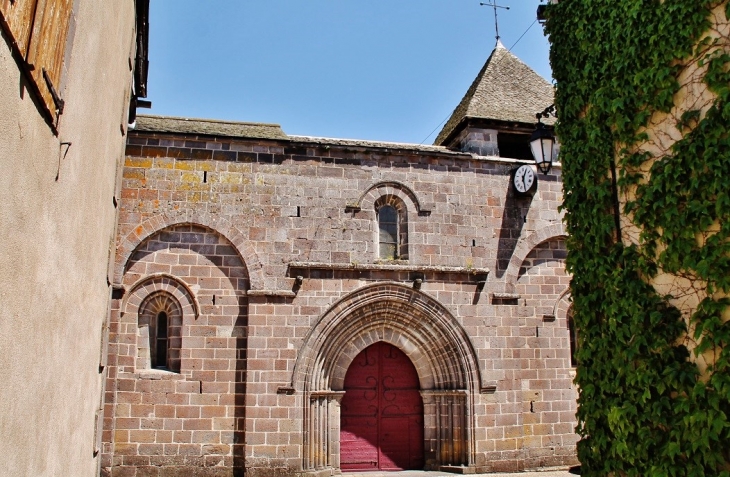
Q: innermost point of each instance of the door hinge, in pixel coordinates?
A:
(54, 94)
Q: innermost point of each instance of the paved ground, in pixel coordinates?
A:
(419, 473)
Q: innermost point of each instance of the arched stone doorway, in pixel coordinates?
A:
(431, 338)
(381, 420)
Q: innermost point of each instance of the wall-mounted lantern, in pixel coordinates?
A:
(542, 11)
(542, 142)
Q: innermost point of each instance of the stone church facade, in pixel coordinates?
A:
(289, 305)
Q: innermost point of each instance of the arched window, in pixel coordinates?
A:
(573, 338)
(392, 228)
(161, 317)
(160, 342)
(388, 232)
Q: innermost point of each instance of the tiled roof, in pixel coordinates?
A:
(505, 89)
(209, 127)
(371, 144)
(228, 129)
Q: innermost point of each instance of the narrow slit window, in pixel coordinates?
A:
(388, 230)
(161, 341)
(573, 339)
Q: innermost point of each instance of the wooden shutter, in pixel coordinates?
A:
(17, 15)
(47, 48)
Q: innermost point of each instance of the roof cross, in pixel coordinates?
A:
(493, 4)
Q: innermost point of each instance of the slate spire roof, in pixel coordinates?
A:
(506, 89)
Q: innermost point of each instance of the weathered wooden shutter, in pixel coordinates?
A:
(47, 48)
(18, 18)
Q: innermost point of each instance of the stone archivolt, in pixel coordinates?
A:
(427, 333)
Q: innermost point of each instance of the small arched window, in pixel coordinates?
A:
(160, 342)
(573, 330)
(161, 317)
(388, 233)
(392, 237)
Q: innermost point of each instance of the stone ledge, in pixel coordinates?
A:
(159, 374)
(284, 293)
(397, 271)
(389, 267)
(505, 296)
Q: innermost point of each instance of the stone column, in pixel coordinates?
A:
(322, 431)
(446, 428)
(335, 398)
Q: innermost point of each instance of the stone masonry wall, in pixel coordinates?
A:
(187, 419)
(549, 397)
(274, 211)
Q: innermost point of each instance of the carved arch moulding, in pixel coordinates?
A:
(372, 193)
(562, 307)
(427, 333)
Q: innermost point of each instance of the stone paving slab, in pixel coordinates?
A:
(420, 473)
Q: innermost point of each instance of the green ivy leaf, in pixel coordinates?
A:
(643, 409)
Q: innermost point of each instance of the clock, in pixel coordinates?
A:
(524, 179)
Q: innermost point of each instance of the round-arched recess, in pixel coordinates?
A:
(423, 330)
(215, 223)
(523, 249)
(178, 301)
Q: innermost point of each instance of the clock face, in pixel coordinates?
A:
(524, 179)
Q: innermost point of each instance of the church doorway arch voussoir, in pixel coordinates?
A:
(426, 333)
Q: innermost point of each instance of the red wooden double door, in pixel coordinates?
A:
(381, 425)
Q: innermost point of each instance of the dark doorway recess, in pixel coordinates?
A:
(382, 412)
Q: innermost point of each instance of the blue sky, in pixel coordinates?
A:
(390, 70)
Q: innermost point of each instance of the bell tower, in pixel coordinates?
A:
(497, 113)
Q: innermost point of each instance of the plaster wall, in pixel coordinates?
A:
(57, 222)
(663, 131)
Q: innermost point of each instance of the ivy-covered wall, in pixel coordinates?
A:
(643, 95)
